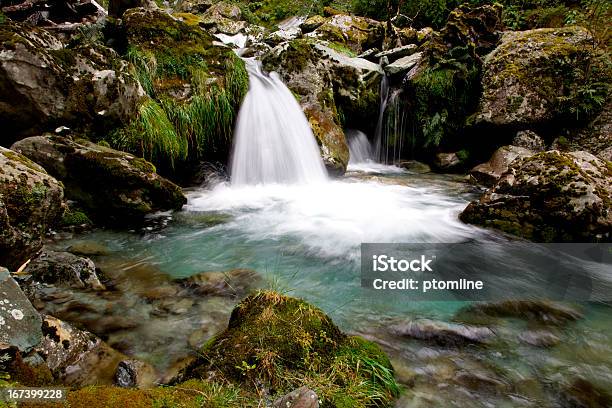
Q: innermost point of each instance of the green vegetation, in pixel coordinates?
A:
(518, 14)
(284, 343)
(75, 218)
(194, 90)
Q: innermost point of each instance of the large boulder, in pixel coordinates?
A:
(488, 173)
(550, 197)
(330, 85)
(223, 18)
(527, 79)
(30, 203)
(356, 33)
(112, 186)
(44, 84)
(596, 137)
(20, 323)
(276, 341)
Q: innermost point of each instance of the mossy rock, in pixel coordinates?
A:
(30, 203)
(284, 343)
(550, 197)
(543, 76)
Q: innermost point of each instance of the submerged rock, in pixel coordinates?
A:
(64, 269)
(275, 340)
(20, 323)
(531, 310)
(441, 333)
(550, 197)
(44, 83)
(539, 338)
(113, 186)
(236, 282)
(584, 394)
(30, 203)
(488, 173)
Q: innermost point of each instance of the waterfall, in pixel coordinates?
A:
(391, 129)
(360, 149)
(273, 142)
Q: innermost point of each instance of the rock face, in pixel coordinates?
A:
(596, 137)
(326, 82)
(529, 140)
(20, 323)
(488, 173)
(30, 203)
(116, 8)
(523, 82)
(64, 269)
(550, 197)
(44, 84)
(129, 185)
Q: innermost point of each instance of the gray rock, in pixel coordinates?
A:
(135, 374)
(30, 203)
(403, 64)
(488, 173)
(397, 53)
(20, 323)
(77, 357)
(223, 18)
(112, 186)
(64, 269)
(550, 197)
(529, 140)
(43, 84)
(441, 333)
(303, 397)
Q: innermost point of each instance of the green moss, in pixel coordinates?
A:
(285, 343)
(11, 155)
(74, 218)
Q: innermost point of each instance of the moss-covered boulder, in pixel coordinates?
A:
(283, 343)
(45, 84)
(30, 203)
(195, 87)
(550, 197)
(356, 33)
(112, 186)
(543, 76)
(333, 88)
(223, 18)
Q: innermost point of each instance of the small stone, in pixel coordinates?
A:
(135, 374)
(303, 397)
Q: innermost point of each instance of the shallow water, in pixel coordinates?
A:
(305, 242)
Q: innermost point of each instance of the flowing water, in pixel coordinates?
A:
(273, 142)
(283, 218)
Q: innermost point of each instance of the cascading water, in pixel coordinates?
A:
(273, 142)
(391, 129)
(360, 148)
